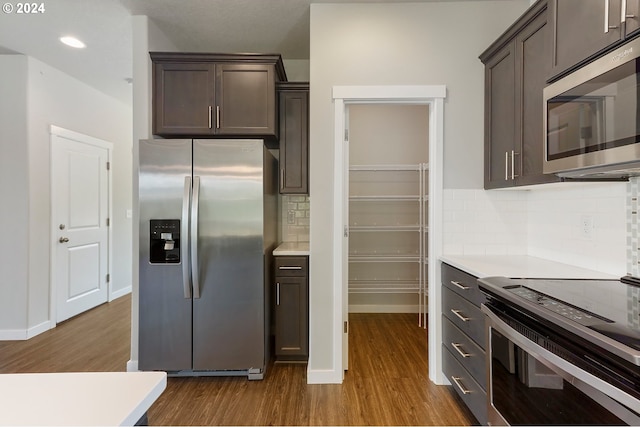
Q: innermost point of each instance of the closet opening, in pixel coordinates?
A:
(388, 199)
(366, 293)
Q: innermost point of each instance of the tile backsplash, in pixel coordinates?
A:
(582, 224)
(633, 238)
(294, 218)
(478, 222)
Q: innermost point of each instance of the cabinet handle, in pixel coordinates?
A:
(513, 164)
(623, 13)
(217, 117)
(607, 27)
(457, 382)
(460, 352)
(460, 316)
(287, 267)
(278, 293)
(506, 166)
(281, 179)
(460, 285)
(210, 111)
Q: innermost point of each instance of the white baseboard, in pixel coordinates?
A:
(119, 293)
(25, 334)
(13, 334)
(324, 376)
(38, 329)
(379, 308)
(132, 366)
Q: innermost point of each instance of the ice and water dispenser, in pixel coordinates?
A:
(164, 241)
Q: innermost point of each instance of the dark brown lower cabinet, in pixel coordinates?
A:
(291, 308)
(464, 339)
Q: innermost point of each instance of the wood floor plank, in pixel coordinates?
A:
(387, 383)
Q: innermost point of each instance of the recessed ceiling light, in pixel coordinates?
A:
(72, 41)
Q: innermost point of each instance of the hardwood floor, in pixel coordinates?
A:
(387, 383)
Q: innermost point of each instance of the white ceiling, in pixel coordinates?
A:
(264, 26)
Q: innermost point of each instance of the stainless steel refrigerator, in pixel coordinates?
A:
(208, 225)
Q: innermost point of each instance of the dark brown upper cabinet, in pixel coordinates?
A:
(515, 68)
(294, 137)
(215, 94)
(582, 29)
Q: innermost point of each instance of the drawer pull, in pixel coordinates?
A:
(459, 350)
(460, 316)
(457, 382)
(286, 267)
(460, 285)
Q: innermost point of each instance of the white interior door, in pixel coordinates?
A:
(80, 222)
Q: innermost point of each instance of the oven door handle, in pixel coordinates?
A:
(608, 396)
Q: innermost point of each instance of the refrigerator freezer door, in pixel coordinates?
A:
(228, 318)
(165, 314)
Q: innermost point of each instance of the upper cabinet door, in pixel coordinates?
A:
(245, 100)
(499, 125)
(294, 138)
(532, 65)
(581, 29)
(182, 99)
(632, 15)
(216, 94)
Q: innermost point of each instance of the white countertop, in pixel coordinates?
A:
(292, 249)
(72, 399)
(520, 266)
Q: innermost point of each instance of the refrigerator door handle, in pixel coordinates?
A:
(193, 237)
(184, 231)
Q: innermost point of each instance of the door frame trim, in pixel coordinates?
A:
(432, 95)
(85, 139)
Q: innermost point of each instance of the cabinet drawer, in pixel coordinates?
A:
(466, 352)
(466, 316)
(291, 266)
(464, 284)
(467, 388)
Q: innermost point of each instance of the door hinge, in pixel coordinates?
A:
(108, 222)
(108, 166)
(346, 135)
(346, 327)
(108, 277)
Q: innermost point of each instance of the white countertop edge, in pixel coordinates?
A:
(78, 398)
(292, 249)
(146, 403)
(521, 266)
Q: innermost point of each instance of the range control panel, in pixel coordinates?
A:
(570, 312)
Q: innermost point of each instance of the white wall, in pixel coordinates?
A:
(14, 196)
(393, 44)
(297, 69)
(54, 98)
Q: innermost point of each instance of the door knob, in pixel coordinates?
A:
(63, 240)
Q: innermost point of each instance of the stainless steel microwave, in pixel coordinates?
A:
(592, 118)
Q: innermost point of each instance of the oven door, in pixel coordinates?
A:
(527, 384)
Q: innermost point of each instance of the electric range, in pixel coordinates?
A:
(604, 312)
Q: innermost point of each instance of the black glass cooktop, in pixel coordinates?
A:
(606, 312)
